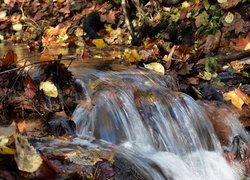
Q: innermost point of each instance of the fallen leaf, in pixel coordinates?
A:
(17, 27)
(49, 89)
(194, 80)
(229, 18)
(235, 99)
(132, 55)
(9, 59)
(99, 43)
(6, 150)
(205, 75)
(241, 43)
(243, 96)
(155, 66)
(27, 158)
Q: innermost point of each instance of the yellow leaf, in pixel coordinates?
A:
(6, 150)
(155, 66)
(27, 158)
(235, 99)
(49, 89)
(99, 43)
(132, 55)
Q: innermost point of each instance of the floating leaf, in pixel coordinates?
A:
(99, 43)
(27, 158)
(235, 99)
(49, 89)
(155, 66)
(17, 27)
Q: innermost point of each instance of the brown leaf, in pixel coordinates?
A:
(29, 93)
(194, 80)
(9, 59)
(241, 43)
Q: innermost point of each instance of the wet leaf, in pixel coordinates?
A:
(49, 89)
(99, 43)
(27, 158)
(235, 99)
(155, 66)
(83, 156)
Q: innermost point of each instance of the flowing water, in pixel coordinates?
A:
(165, 134)
(162, 133)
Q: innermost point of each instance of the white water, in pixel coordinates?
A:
(166, 134)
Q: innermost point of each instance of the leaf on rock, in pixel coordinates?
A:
(99, 43)
(49, 89)
(83, 156)
(27, 158)
(155, 66)
(235, 99)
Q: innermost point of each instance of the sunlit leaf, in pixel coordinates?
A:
(155, 66)
(27, 158)
(49, 89)
(235, 99)
(99, 43)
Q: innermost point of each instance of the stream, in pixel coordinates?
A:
(141, 116)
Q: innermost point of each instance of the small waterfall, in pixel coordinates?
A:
(166, 134)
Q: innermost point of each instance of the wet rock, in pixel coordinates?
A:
(60, 125)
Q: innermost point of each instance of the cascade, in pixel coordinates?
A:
(163, 133)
